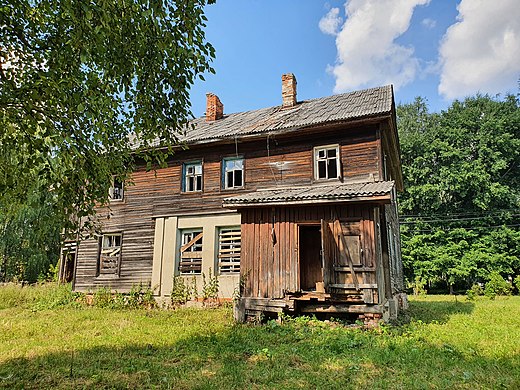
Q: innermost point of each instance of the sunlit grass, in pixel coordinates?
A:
(447, 344)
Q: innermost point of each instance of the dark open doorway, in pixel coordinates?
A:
(310, 257)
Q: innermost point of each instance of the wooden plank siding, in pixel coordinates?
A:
(272, 269)
(159, 193)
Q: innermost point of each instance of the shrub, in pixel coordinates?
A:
(475, 291)
(496, 286)
(516, 282)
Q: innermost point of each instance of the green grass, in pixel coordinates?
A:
(448, 343)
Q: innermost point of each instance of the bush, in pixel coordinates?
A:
(475, 291)
(516, 282)
(496, 285)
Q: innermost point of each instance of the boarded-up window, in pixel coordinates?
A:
(229, 245)
(191, 252)
(110, 254)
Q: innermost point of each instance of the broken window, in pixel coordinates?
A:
(110, 254)
(326, 162)
(116, 190)
(192, 177)
(191, 252)
(233, 172)
(229, 244)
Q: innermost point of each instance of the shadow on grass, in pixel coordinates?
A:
(270, 356)
(438, 311)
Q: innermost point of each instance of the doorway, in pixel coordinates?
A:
(310, 257)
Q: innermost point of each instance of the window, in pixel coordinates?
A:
(192, 177)
(326, 162)
(110, 254)
(229, 250)
(116, 190)
(233, 172)
(191, 252)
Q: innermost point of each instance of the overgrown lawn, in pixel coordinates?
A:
(449, 343)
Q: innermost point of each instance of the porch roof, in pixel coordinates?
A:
(323, 193)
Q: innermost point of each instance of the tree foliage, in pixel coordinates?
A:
(83, 82)
(461, 205)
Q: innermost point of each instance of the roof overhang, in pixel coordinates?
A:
(315, 194)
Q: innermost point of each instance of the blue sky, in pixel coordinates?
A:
(438, 49)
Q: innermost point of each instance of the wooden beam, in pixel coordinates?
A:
(357, 286)
(340, 308)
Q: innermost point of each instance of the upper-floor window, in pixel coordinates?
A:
(326, 162)
(192, 177)
(116, 190)
(233, 172)
(110, 254)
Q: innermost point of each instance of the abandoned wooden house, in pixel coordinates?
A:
(295, 205)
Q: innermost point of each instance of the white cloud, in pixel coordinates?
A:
(330, 23)
(481, 51)
(367, 53)
(428, 23)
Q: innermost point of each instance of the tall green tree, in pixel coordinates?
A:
(82, 83)
(461, 204)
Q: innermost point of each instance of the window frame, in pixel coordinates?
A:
(234, 268)
(316, 161)
(112, 190)
(185, 176)
(190, 259)
(225, 184)
(116, 271)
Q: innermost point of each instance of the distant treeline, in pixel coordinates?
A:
(460, 210)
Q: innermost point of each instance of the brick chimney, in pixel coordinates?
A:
(288, 90)
(214, 108)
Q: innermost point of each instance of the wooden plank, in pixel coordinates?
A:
(356, 286)
(343, 248)
(191, 242)
(338, 308)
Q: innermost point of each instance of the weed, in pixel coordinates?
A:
(210, 288)
(181, 292)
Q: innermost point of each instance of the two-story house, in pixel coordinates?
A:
(295, 203)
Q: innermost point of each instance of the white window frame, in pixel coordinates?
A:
(191, 254)
(187, 175)
(225, 181)
(324, 158)
(228, 249)
(117, 190)
(111, 245)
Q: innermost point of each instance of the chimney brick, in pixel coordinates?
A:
(288, 90)
(214, 108)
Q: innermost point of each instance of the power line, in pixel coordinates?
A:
(457, 219)
(463, 227)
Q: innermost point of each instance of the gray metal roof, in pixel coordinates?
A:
(336, 108)
(326, 193)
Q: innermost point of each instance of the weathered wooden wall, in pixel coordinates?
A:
(160, 193)
(271, 267)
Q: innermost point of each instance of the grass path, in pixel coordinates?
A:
(448, 344)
